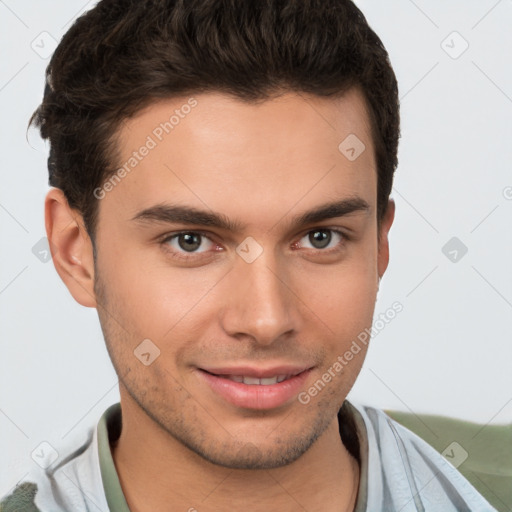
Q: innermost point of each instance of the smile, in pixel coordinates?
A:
(255, 391)
(254, 381)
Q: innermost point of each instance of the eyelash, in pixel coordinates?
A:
(194, 255)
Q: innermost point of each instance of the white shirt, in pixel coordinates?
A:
(398, 472)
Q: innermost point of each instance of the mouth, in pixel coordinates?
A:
(255, 381)
(251, 388)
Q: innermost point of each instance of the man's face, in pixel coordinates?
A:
(261, 296)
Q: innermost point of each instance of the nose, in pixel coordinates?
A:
(260, 305)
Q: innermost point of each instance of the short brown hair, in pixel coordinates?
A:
(123, 54)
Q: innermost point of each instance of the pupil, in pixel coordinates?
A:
(189, 241)
(320, 239)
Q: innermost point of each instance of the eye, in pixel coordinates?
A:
(188, 242)
(322, 238)
(185, 244)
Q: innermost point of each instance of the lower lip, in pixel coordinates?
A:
(256, 396)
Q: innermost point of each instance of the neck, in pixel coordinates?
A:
(156, 470)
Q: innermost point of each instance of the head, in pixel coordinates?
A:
(222, 172)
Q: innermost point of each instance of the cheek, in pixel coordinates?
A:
(342, 296)
(151, 296)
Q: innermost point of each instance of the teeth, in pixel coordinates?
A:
(253, 381)
(268, 380)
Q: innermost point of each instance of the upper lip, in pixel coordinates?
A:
(260, 373)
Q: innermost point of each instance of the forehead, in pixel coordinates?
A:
(232, 156)
(216, 118)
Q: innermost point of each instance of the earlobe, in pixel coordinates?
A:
(71, 247)
(387, 221)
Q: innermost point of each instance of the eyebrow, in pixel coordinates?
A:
(168, 213)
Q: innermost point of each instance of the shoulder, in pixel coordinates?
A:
(21, 499)
(403, 468)
(33, 494)
(58, 488)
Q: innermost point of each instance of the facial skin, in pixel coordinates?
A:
(260, 166)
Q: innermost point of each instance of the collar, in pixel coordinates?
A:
(109, 430)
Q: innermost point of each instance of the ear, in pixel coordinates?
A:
(71, 247)
(383, 254)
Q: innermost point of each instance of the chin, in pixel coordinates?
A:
(267, 454)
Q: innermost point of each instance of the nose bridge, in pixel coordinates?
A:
(260, 303)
